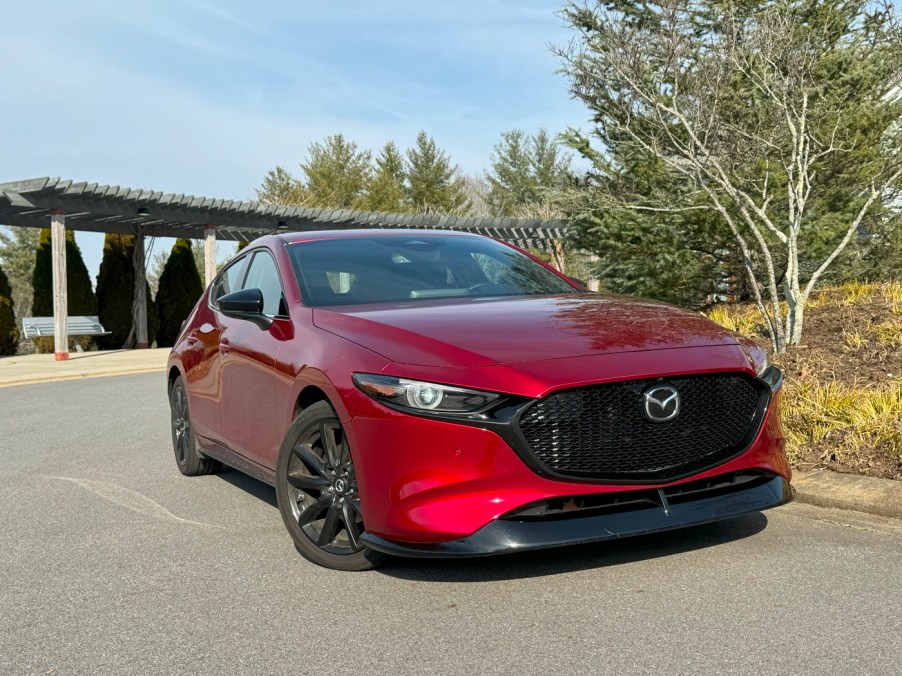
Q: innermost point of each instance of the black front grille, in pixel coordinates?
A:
(600, 431)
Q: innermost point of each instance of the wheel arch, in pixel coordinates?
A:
(308, 396)
(174, 372)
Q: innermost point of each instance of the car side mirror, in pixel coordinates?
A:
(245, 304)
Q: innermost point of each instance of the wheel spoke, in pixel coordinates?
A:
(306, 454)
(312, 512)
(354, 504)
(306, 483)
(345, 459)
(330, 527)
(333, 454)
(182, 445)
(349, 517)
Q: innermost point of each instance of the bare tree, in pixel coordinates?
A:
(476, 190)
(745, 112)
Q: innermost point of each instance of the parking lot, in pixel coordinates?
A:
(112, 562)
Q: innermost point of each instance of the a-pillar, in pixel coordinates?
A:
(209, 254)
(60, 293)
(139, 304)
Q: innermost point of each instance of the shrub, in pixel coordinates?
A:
(115, 292)
(180, 287)
(80, 294)
(9, 333)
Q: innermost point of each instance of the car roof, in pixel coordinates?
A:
(312, 236)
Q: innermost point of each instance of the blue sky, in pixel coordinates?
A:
(204, 97)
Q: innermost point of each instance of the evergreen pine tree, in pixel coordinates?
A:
(336, 174)
(434, 185)
(81, 297)
(180, 287)
(523, 169)
(280, 187)
(9, 332)
(386, 190)
(115, 293)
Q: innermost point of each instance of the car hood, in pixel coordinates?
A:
(493, 331)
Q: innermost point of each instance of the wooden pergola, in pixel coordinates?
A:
(59, 204)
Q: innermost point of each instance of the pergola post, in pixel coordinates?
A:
(60, 293)
(140, 297)
(557, 255)
(209, 254)
(593, 282)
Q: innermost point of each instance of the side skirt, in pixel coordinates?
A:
(235, 461)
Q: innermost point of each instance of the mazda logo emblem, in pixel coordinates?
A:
(661, 403)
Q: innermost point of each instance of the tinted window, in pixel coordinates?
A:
(230, 279)
(263, 275)
(405, 267)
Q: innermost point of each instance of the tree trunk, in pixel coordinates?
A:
(796, 315)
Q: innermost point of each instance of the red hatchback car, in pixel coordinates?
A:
(429, 393)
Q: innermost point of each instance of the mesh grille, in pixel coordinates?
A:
(600, 432)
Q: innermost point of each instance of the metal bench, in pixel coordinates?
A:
(42, 327)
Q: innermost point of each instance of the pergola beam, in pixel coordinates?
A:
(114, 209)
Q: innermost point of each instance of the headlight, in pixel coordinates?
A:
(421, 396)
(756, 354)
(761, 363)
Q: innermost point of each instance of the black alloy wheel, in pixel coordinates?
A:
(190, 462)
(316, 488)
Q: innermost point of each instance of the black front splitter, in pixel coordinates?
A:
(505, 536)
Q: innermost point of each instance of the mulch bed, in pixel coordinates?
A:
(826, 356)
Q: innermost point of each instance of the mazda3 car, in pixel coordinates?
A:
(439, 394)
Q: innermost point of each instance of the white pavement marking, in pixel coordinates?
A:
(133, 500)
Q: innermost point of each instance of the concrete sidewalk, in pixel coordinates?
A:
(37, 368)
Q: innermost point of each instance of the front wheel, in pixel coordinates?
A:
(316, 488)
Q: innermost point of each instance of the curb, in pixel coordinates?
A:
(76, 376)
(824, 488)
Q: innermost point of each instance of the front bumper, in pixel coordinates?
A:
(424, 480)
(518, 533)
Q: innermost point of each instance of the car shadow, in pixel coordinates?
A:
(575, 558)
(547, 561)
(250, 485)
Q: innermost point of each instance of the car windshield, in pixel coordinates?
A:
(407, 267)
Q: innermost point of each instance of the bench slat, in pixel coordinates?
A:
(40, 327)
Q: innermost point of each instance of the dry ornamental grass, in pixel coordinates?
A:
(842, 399)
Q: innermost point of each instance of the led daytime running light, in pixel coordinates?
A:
(422, 396)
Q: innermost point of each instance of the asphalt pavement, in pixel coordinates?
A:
(112, 562)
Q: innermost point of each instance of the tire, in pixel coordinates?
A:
(316, 488)
(184, 443)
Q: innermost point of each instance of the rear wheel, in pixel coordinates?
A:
(190, 462)
(316, 488)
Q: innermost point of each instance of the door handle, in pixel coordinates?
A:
(191, 339)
